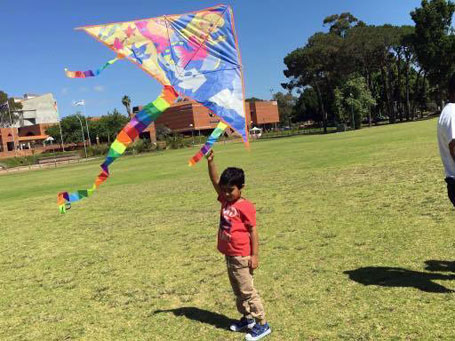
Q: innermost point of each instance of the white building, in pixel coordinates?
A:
(37, 109)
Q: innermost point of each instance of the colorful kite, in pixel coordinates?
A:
(195, 55)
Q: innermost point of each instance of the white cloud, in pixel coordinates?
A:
(98, 88)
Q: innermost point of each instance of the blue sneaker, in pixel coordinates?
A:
(258, 332)
(242, 324)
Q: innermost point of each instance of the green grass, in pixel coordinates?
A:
(137, 261)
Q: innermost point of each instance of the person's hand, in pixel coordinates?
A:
(210, 156)
(225, 236)
(253, 263)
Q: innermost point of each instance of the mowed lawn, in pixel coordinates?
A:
(357, 242)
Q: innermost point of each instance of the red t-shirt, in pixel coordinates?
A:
(236, 219)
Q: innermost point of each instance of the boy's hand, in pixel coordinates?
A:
(210, 155)
(225, 236)
(253, 263)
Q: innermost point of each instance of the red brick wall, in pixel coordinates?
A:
(264, 112)
(37, 129)
(152, 132)
(8, 135)
(178, 117)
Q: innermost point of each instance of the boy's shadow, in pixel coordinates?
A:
(201, 315)
(399, 277)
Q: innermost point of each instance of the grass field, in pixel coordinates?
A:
(357, 243)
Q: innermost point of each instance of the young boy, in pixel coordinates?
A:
(238, 241)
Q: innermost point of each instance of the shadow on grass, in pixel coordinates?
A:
(201, 315)
(440, 265)
(399, 277)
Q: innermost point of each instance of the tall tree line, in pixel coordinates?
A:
(357, 72)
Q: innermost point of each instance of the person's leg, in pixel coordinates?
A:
(232, 267)
(246, 321)
(248, 299)
(451, 189)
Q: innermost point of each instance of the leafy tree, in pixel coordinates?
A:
(71, 129)
(5, 118)
(108, 126)
(306, 107)
(254, 99)
(316, 65)
(163, 132)
(341, 23)
(385, 56)
(353, 101)
(433, 42)
(286, 103)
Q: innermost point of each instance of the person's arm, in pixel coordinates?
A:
(452, 149)
(213, 174)
(254, 259)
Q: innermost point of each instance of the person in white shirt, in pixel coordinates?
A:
(446, 140)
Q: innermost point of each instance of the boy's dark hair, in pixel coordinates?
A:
(232, 176)
(452, 85)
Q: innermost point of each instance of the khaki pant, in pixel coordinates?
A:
(247, 298)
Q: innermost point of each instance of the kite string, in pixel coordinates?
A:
(127, 135)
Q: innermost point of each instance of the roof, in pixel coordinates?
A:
(32, 138)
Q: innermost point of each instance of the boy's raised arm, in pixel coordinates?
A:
(212, 171)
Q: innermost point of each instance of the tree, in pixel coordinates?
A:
(108, 126)
(385, 56)
(253, 99)
(316, 65)
(71, 129)
(162, 132)
(341, 23)
(11, 116)
(353, 101)
(306, 107)
(126, 101)
(286, 103)
(433, 42)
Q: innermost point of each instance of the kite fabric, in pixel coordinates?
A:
(196, 53)
(221, 127)
(127, 135)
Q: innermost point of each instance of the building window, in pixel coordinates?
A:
(10, 146)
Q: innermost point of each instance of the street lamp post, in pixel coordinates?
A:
(86, 125)
(192, 132)
(83, 136)
(82, 103)
(352, 111)
(51, 140)
(59, 125)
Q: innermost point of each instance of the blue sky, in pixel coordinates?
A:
(38, 41)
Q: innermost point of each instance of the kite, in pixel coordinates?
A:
(192, 55)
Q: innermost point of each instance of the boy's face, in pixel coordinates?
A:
(230, 193)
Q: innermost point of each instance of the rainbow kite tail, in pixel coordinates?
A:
(220, 128)
(127, 135)
(91, 73)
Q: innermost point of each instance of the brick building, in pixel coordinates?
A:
(264, 113)
(27, 136)
(187, 116)
(24, 139)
